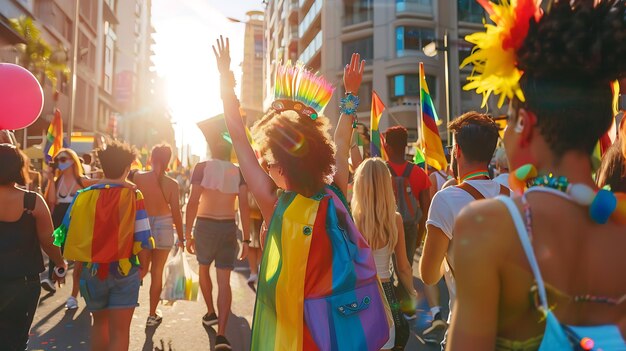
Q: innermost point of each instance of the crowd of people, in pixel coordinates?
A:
(525, 232)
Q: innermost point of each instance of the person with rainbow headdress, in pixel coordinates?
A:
(317, 287)
(544, 271)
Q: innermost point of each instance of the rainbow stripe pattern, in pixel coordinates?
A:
(107, 224)
(318, 288)
(54, 137)
(376, 145)
(431, 141)
(299, 84)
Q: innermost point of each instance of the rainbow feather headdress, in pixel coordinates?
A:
(494, 56)
(301, 90)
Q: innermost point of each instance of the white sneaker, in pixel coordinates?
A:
(71, 303)
(48, 285)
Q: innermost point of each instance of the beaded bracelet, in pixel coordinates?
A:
(348, 106)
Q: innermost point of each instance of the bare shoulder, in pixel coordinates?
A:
(399, 221)
(484, 224)
(170, 182)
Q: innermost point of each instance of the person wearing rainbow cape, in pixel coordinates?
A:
(106, 228)
(544, 271)
(317, 287)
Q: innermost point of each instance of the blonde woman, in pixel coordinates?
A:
(374, 211)
(65, 177)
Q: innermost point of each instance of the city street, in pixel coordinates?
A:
(54, 328)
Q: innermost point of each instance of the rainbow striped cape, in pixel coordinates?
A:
(106, 224)
(318, 288)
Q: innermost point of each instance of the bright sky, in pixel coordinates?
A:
(186, 29)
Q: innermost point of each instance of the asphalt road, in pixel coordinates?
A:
(54, 328)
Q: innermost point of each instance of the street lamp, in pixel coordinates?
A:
(431, 49)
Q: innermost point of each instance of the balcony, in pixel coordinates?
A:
(314, 11)
(293, 11)
(312, 49)
(424, 7)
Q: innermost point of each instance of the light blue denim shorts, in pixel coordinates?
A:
(114, 292)
(162, 228)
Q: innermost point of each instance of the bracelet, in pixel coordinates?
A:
(348, 106)
(247, 241)
(59, 271)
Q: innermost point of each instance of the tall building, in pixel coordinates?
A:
(114, 74)
(390, 36)
(252, 67)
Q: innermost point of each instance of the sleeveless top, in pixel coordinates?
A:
(20, 252)
(557, 336)
(382, 258)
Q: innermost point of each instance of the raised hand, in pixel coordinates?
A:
(353, 74)
(222, 55)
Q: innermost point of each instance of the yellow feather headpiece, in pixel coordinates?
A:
(494, 55)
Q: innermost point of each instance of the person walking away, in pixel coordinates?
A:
(65, 178)
(25, 229)
(161, 200)
(475, 137)
(374, 210)
(412, 189)
(107, 229)
(216, 185)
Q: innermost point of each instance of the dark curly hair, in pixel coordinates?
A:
(300, 145)
(569, 58)
(116, 158)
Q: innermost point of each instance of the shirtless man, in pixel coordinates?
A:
(215, 185)
(161, 201)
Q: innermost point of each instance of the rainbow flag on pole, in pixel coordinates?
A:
(431, 141)
(54, 137)
(376, 149)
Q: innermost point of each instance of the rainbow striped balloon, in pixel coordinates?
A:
(299, 84)
(106, 224)
(318, 288)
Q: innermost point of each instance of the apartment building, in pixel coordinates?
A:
(390, 36)
(252, 67)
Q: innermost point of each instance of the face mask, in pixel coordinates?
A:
(65, 165)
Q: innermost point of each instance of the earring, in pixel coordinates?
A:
(519, 126)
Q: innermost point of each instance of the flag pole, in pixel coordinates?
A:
(420, 119)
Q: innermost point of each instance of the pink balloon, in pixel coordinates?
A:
(21, 97)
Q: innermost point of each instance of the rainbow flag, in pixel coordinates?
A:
(106, 224)
(317, 284)
(54, 138)
(431, 141)
(376, 149)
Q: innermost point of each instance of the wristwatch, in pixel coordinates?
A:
(247, 241)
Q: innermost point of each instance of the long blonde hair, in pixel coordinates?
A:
(374, 204)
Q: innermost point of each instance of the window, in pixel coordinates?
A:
(408, 85)
(416, 6)
(310, 16)
(412, 39)
(312, 49)
(364, 46)
(464, 52)
(470, 11)
(357, 11)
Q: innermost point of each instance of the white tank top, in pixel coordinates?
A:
(382, 258)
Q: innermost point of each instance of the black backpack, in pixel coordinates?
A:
(405, 199)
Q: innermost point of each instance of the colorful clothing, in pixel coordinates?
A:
(106, 224)
(318, 288)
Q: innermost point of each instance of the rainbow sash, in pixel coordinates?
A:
(105, 224)
(318, 288)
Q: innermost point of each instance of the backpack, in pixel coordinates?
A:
(405, 199)
(318, 288)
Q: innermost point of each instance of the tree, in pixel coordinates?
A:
(37, 55)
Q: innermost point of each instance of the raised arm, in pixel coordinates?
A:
(259, 182)
(352, 77)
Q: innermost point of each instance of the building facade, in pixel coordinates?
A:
(252, 67)
(390, 36)
(114, 73)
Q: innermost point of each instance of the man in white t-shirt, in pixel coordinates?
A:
(475, 138)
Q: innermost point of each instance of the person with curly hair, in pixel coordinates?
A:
(561, 242)
(317, 285)
(106, 228)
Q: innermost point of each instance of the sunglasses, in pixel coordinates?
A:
(61, 159)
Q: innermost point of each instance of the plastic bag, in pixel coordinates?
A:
(181, 282)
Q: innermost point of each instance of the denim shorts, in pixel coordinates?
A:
(216, 240)
(114, 292)
(162, 228)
